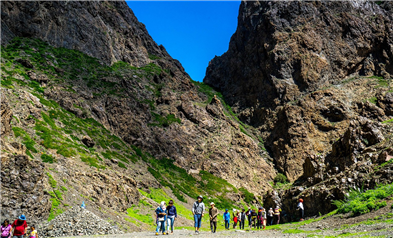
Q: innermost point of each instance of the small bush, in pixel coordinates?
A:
(248, 197)
(359, 202)
(121, 165)
(47, 158)
(280, 178)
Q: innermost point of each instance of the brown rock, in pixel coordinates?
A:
(88, 141)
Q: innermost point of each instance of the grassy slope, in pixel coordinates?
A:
(61, 131)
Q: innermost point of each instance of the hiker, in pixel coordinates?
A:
(198, 210)
(83, 205)
(213, 213)
(172, 215)
(270, 216)
(254, 217)
(239, 218)
(227, 218)
(248, 214)
(259, 217)
(6, 229)
(276, 214)
(263, 218)
(242, 219)
(19, 227)
(161, 218)
(235, 214)
(33, 232)
(300, 208)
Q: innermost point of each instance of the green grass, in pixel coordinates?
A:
(121, 165)
(363, 202)
(388, 121)
(27, 141)
(248, 197)
(47, 158)
(52, 181)
(164, 121)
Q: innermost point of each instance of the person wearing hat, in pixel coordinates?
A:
(161, 218)
(276, 214)
(198, 210)
(227, 219)
(242, 219)
(300, 208)
(213, 213)
(270, 214)
(19, 227)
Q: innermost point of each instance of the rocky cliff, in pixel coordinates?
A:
(281, 57)
(99, 113)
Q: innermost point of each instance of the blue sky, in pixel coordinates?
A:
(191, 32)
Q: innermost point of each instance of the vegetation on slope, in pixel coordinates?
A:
(57, 132)
(358, 202)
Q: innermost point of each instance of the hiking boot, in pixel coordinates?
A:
(156, 233)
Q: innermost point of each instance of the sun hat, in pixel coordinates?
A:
(200, 196)
(22, 217)
(212, 203)
(226, 209)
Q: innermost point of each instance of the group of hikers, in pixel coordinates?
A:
(166, 216)
(18, 229)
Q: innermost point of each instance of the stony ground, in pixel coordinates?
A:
(334, 226)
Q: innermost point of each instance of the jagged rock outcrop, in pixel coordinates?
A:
(6, 116)
(154, 107)
(285, 55)
(22, 187)
(105, 30)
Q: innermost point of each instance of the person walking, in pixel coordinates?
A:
(227, 219)
(19, 227)
(83, 205)
(300, 208)
(249, 217)
(6, 229)
(198, 210)
(172, 215)
(33, 232)
(161, 218)
(276, 214)
(270, 214)
(263, 218)
(213, 213)
(235, 218)
(242, 219)
(254, 217)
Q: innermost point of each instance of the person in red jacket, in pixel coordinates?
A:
(19, 227)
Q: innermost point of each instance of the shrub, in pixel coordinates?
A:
(248, 197)
(121, 165)
(280, 178)
(359, 202)
(47, 158)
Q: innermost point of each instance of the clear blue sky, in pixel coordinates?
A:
(191, 32)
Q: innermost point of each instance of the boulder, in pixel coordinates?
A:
(88, 141)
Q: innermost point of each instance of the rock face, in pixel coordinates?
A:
(284, 53)
(75, 222)
(107, 30)
(6, 116)
(136, 111)
(19, 176)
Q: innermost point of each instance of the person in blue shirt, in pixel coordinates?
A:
(161, 218)
(227, 218)
(172, 215)
(83, 205)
